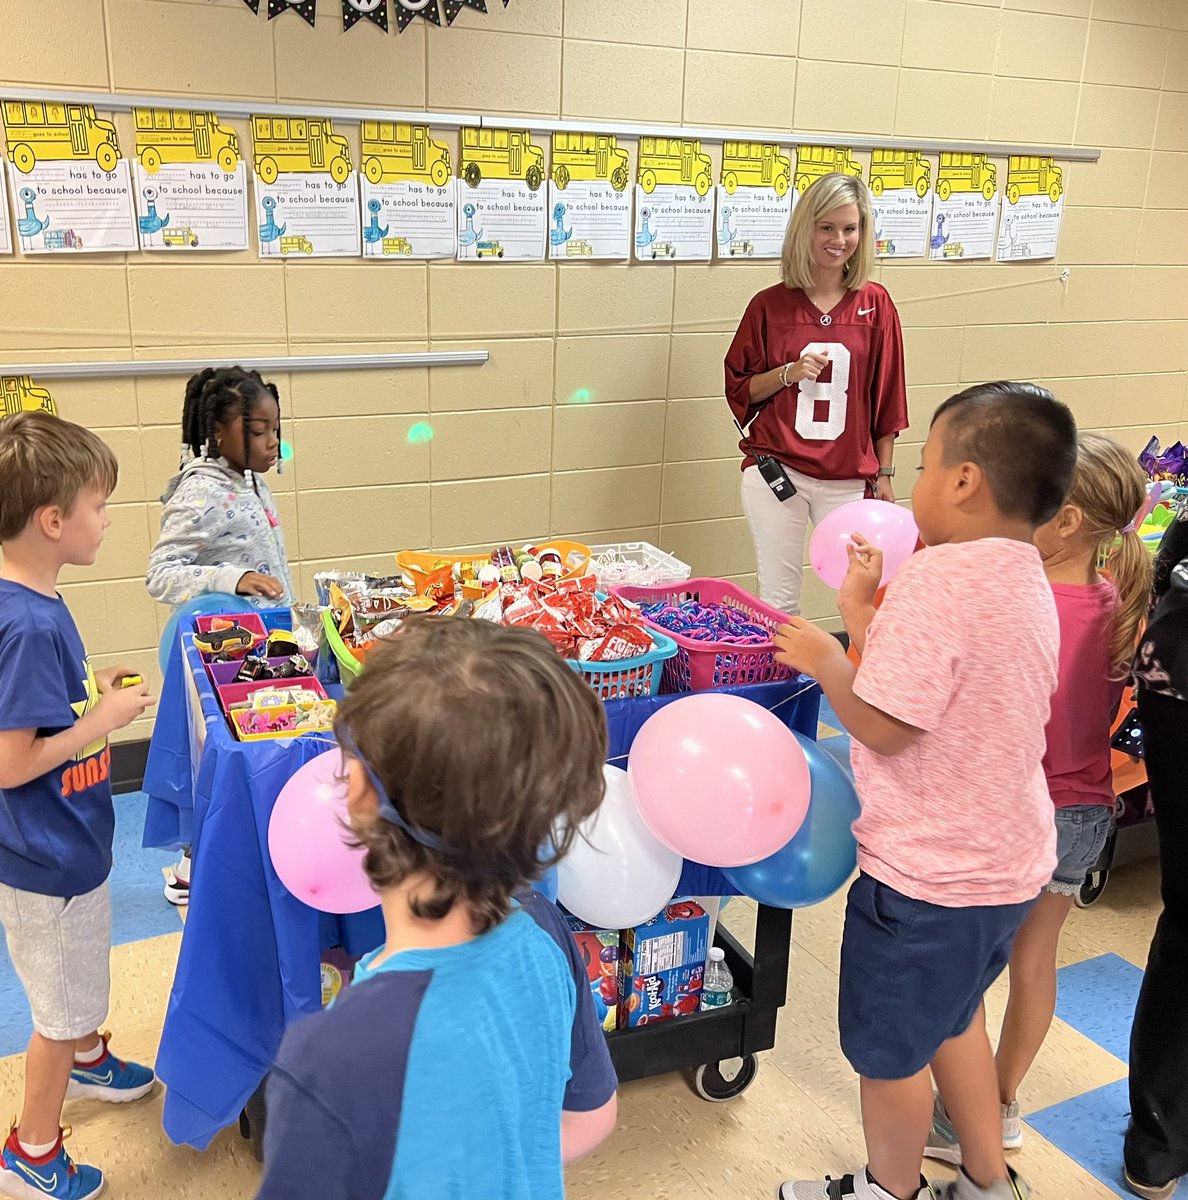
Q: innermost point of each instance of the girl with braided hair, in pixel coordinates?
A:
(219, 530)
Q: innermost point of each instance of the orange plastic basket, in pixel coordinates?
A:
(575, 558)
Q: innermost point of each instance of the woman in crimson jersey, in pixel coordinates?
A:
(815, 378)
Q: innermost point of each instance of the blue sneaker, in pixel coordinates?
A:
(51, 1176)
(110, 1079)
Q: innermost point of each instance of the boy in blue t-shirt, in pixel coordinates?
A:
(465, 1059)
(56, 815)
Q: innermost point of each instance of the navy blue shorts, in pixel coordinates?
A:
(913, 974)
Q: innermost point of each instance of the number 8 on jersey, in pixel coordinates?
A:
(835, 394)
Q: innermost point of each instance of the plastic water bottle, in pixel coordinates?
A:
(718, 985)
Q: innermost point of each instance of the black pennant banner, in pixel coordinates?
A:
(406, 10)
(303, 8)
(374, 10)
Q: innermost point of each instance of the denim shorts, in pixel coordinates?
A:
(1082, 831)
(913, 974)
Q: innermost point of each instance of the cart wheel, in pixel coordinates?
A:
(1092, 888)
(710, 1084)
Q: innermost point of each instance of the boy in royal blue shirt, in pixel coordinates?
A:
(465, 1059)
(56, 815)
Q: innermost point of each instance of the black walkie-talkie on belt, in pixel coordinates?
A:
(774, 473)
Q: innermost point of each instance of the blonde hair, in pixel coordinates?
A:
(828, 193)
(45, 460)
(1109, 488)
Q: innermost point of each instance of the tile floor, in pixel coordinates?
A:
(800, 1116)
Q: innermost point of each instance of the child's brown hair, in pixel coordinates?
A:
(489, 749)
(46, 460)
(1109, 487)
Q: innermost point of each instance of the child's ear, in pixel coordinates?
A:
(968, 482)
(362, 802)
(1069, 521)
(48, 521)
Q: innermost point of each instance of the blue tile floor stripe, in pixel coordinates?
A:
(1097, 998)
(1090, 1129)
(832, 735)
(139, 911)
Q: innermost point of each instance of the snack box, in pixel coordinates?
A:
(223, 674)
(601, 952)
(250, 622)
(664, 965)
(237, 697)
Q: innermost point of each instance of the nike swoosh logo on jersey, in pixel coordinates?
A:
(103, 1080)
(46, 1185)
(863, 311)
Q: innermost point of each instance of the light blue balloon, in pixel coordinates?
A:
(822, 855)
(207, 605)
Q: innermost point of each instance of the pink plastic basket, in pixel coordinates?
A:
(702, 666)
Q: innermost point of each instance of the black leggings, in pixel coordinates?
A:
(1157, 1140)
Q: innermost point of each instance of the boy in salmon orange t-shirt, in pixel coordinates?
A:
(956, 839)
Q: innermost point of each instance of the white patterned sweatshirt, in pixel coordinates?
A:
(216, 528)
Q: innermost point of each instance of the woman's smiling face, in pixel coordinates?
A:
(836, 236)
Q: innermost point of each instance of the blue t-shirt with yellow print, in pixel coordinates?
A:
(56, 830)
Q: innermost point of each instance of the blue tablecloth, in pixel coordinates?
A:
(249, 961)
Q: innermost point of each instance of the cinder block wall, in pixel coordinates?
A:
(651, 455)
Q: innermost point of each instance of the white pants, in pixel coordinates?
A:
(778, 528)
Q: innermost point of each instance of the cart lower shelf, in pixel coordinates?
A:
(703, 1043)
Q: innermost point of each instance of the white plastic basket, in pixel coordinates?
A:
(639, 564)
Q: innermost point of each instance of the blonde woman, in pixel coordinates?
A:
(815, 378)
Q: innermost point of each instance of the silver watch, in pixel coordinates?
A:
(889, 472)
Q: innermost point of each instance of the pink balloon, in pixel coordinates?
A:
(890, 527)
(307, 840)
(719, 779)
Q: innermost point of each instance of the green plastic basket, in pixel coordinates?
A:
(348, 665)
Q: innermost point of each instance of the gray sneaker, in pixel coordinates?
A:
(964, 1188)
(944, 1146)
(858, 1186)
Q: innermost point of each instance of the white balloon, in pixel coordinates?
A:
(617, 874)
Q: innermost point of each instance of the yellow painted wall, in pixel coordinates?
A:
(653, 455)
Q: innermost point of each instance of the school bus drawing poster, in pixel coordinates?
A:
(901, 190)
(965, 209)
(674, 204)
(71, 187)
(191, 182)
(408, 192)
(307, 189)
(1031, 216)
(501, 197)
(755, 197)
(589, 198)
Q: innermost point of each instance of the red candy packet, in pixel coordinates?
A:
(572, 617)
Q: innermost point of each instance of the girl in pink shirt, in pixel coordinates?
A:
(1099, 625)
